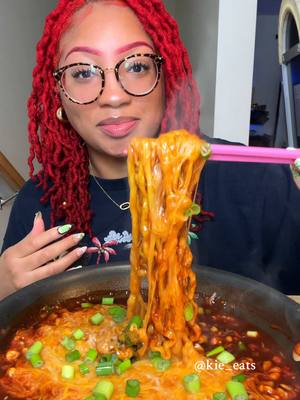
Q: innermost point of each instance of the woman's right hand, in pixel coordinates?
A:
(36, 256)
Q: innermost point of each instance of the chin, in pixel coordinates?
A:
(122, 155)
(118, 153)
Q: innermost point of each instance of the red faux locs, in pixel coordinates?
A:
(64, 175)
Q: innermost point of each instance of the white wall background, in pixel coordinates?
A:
(220, 37)
(171, 6)
(198, 22)
(236, 41)
(21, 23)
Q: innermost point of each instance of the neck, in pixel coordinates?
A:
(108, 167)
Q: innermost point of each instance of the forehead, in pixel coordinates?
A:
(105, 26)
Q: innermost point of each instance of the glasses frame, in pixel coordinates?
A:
(156, 58)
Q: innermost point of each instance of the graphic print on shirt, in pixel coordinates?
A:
(104, 249)
(110, 241)
(124, 237)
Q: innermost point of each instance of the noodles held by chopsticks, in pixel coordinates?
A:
(163, 177)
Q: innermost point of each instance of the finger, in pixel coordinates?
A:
(52, 251)
(38, 224)
(35, 241)
(57, 266)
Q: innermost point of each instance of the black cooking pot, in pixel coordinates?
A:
(269, 310)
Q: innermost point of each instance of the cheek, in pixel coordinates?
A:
(156, 105)
(68, 108)
(73, 110)
(74, 113)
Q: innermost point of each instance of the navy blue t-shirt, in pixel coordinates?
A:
(255, 230)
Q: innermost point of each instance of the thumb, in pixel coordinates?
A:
(38, 224)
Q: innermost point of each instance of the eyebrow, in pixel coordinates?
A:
(129, 46)
(132, 45)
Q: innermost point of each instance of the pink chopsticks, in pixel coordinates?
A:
(222, 152)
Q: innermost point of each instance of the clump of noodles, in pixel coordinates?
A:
(163, 177)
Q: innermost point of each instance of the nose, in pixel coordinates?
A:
(113, 95)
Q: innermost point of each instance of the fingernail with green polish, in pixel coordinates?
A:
(78, 236)
(64, 229)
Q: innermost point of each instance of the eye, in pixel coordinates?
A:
(136, 66)
(83, 73)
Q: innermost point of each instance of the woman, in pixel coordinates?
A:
(108, 71)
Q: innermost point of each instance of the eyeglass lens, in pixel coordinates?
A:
(137, 75)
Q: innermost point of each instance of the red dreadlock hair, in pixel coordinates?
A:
(57, 147)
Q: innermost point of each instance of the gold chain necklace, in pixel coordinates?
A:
(123, 206)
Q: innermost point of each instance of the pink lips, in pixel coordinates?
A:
(118, 127)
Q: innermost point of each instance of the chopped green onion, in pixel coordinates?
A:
(86, 305)
(117, 313)
(72, 356)
(242, 346)
(36, 361)
(106, 357)
(107, 301)
(160, 363)
(225, 357)
(68, 372)
(194, 209)
(239, 378)
(205, 150)
(34, 349)
(105, 368)
(84, 369)
(91, 397)
(220, 396)
(215, 351)
(153, 354)
(136, 321)
(105, 388)
(191, 383)
(123, 367)
(91, 356)
(68, 343)
(96, 319)
(188, 312)
(111, 357)
(100, 397)
(133, 387)
(237, 390)
(78, 334)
